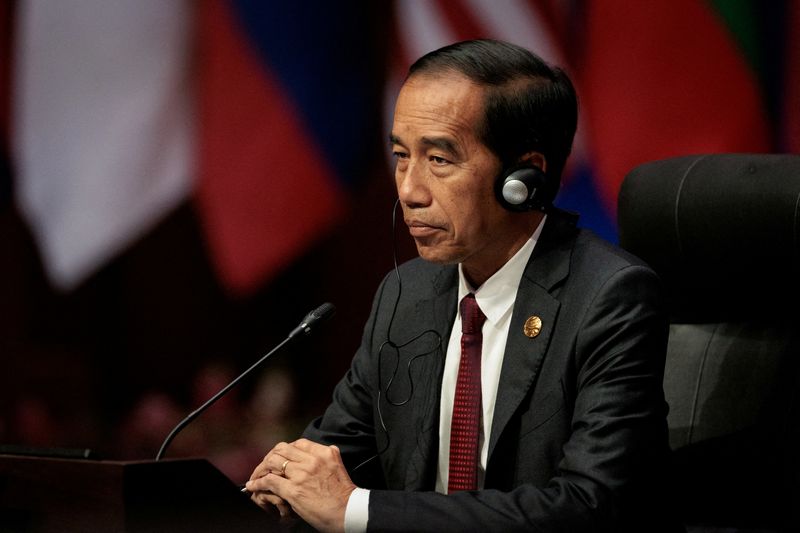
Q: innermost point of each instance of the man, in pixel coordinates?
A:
(566, 431)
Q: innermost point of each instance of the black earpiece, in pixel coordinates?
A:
(524, 188)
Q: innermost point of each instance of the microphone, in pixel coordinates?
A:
(307, 325)
(321, 313)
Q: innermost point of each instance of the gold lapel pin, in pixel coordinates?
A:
(532, 326)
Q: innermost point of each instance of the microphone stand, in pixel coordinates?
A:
(322, 312)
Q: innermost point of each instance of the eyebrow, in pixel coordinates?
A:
(443, 143)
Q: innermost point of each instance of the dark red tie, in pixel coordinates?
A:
(465, 425)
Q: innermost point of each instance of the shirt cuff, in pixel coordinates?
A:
(356, 514)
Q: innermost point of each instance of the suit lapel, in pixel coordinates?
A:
(548, 266)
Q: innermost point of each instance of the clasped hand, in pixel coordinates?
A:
(306, 478)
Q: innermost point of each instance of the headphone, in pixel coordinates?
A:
(525, 188)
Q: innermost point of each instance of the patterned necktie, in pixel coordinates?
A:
(465, 425)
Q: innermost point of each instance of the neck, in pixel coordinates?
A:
(476, 273)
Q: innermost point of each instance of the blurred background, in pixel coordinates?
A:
(182, 181)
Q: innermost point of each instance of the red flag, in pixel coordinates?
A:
(664, 79)
(265, 191)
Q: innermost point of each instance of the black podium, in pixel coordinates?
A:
(39, 494)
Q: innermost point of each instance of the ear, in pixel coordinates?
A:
(534, 159)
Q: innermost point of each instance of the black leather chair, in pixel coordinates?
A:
(723, 231)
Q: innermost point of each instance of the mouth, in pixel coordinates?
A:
(419, 229)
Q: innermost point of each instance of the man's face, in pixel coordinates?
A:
(445, 174)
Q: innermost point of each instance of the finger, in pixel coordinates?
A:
(284, 509)
(318, 450)
(274, 499)
(268, 484)
(275, 461)
(300, 461)
(288, 457)
(326, 453)
(271, 503)
(260, 470)
(308, 446)
(256, 487)
(277, 485)
(261, 498)
(259, 484)
(292, 451)
(265, 466)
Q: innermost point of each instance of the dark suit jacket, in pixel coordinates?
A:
(578, 440)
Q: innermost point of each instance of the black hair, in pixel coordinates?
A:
(530, 105)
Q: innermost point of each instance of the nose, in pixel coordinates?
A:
(412, 185)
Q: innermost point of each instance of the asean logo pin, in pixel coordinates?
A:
(532, 326)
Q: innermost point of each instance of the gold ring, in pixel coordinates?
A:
(283, 467)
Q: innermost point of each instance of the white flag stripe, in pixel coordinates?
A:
(422, 27)
(514, 21)
(102, 133)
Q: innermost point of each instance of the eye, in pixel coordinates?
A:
(397, 154)
(438, 160)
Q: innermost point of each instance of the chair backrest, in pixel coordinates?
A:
(723, 232)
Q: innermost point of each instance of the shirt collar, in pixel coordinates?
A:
(497, 294)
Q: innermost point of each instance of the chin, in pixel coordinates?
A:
(438, 256)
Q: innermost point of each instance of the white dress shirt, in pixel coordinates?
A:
(496, 299)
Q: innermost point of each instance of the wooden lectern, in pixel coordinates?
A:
(39, 494)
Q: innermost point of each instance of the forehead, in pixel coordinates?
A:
(439, 104)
